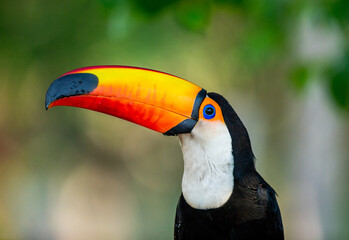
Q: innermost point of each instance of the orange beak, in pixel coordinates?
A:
(156, 100)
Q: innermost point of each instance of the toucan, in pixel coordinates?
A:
(223, 196)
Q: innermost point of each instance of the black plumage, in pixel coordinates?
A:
(251, 212)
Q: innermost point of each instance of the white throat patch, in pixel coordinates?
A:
(208, 165)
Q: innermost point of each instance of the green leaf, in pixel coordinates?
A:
(153, 7)
(299, 77)
(194, 16)
(339, 87)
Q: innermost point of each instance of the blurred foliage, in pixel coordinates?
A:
(339, 83)
(299, 77)
(35, 33)
(194, 16)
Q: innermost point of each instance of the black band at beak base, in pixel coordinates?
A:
(187, 125)
(184, 127)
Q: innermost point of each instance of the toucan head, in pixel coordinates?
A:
(211, 134)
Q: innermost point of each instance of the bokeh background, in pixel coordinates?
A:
(71, 174)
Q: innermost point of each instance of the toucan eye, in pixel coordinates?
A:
(209, 111)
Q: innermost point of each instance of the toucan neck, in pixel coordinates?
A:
(242, 150)
(208, 166)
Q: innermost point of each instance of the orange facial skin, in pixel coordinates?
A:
(152, 99)
(217, 117)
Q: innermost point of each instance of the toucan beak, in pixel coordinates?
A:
(156, 100)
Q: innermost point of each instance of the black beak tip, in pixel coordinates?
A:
(70, 85)
(49, 97)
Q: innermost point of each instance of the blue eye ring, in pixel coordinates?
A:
(209, 111)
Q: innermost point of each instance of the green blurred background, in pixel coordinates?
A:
(71, 174)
